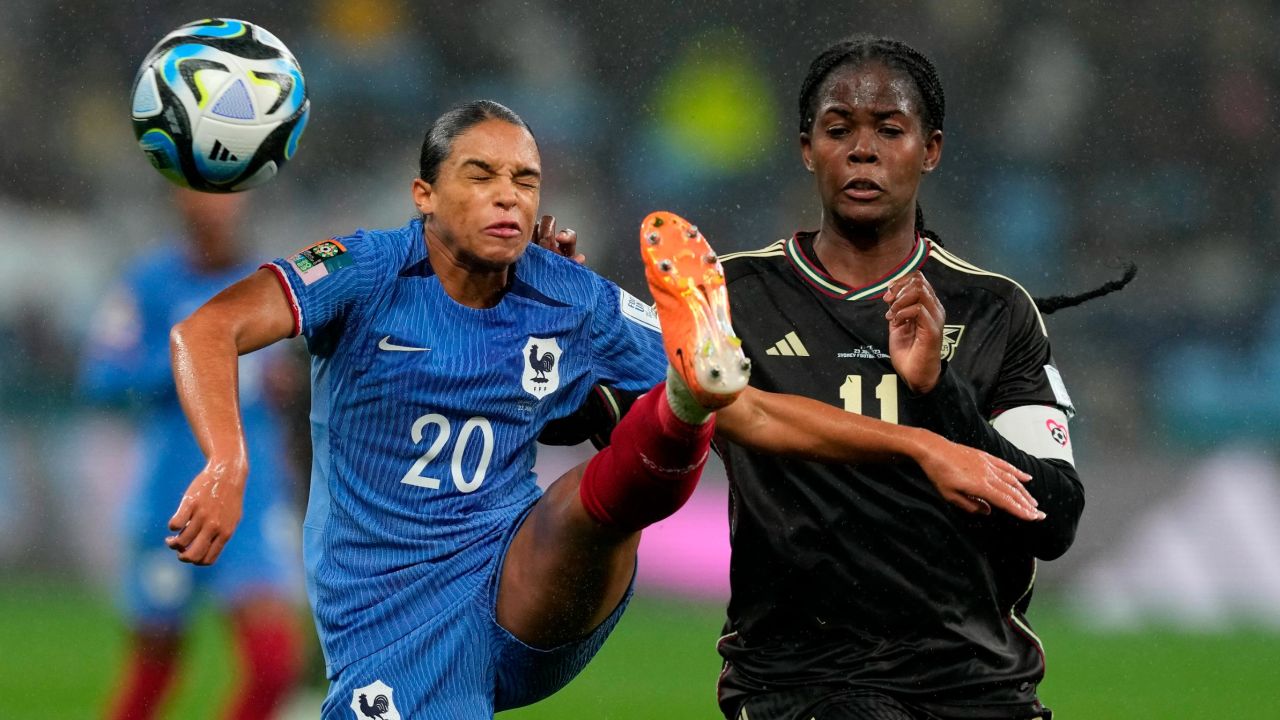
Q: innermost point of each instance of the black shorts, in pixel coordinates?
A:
(832, 704)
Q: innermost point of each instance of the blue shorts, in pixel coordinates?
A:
(461, 664)
(262, 558)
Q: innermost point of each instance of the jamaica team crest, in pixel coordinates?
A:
(951, 340)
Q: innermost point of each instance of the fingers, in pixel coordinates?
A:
(544, 234)
(182, 516)
(914, 291)
(916, 278)
(199, 544)
(1005, 466)
(199, 538)
(566, 243)
(911, 313)
(971, 504)
(206, 549)
(1005, 489)
(185, 537)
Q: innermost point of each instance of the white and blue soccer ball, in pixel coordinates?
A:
(219, 105)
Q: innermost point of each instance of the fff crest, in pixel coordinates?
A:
(375, 701)
(541, 358)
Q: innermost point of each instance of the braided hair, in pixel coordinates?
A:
(896, 55)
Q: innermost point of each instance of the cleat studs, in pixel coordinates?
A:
(715, 373)
(652, 238)
(657, 222)
(692, 231)
(664, 265)
(746, 365)
(709, 258)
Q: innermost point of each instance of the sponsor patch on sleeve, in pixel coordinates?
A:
(320, 260)
(637, 311)
(1059, 389)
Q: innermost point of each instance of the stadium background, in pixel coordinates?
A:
(1079, 135)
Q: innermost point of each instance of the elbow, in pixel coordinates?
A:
(179, 338)
(197, 324)
(1056, 544)
(1060, 533)
(196, 331)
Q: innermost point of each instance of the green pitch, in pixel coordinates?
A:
(60, 647)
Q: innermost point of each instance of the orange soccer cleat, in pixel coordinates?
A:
(687, 281)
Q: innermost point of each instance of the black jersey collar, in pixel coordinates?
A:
(805, 261)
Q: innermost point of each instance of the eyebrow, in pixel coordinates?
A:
(523, 171)
(844, 112)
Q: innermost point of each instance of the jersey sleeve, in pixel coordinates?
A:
(1027, 374)
(330, 281)
(626, 340)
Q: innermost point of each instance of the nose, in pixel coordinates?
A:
(505, 195)
(863, 149)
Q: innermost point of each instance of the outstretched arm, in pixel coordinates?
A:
(204, 349)
(806, 429)
(951, 410)
(945, 403)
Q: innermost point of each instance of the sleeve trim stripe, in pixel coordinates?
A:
(294, 307)
(773, 249)
(956, 263)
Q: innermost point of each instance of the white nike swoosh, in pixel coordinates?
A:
(386, 344)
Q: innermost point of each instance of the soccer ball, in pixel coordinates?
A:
(219, 105)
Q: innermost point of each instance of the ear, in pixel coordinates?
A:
(423, 196)
(806, 150)
(932, 152)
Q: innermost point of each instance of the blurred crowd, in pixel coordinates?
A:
(1078, 138)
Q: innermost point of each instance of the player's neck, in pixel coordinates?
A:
(858, 257)
(467, 285)
(475, 290)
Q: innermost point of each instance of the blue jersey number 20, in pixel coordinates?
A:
(415, 477)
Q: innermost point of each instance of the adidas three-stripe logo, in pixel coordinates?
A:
(790, 346)
(220, 152)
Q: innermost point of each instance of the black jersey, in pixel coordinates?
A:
(863, 576)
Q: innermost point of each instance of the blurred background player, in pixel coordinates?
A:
(256, 586)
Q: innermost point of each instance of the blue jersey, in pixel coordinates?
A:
(425, 415)
(127, 363)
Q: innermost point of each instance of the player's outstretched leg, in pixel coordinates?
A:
(568, 567)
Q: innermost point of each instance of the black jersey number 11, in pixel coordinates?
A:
(886, 393)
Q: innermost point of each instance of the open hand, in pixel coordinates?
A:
(915, 318)
(975, 481)
(208, 514)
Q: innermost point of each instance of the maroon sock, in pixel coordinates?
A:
(146, 682)
(270, 664)
(650, 468)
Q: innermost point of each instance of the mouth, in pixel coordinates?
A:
(505, 229)
(863, 189)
